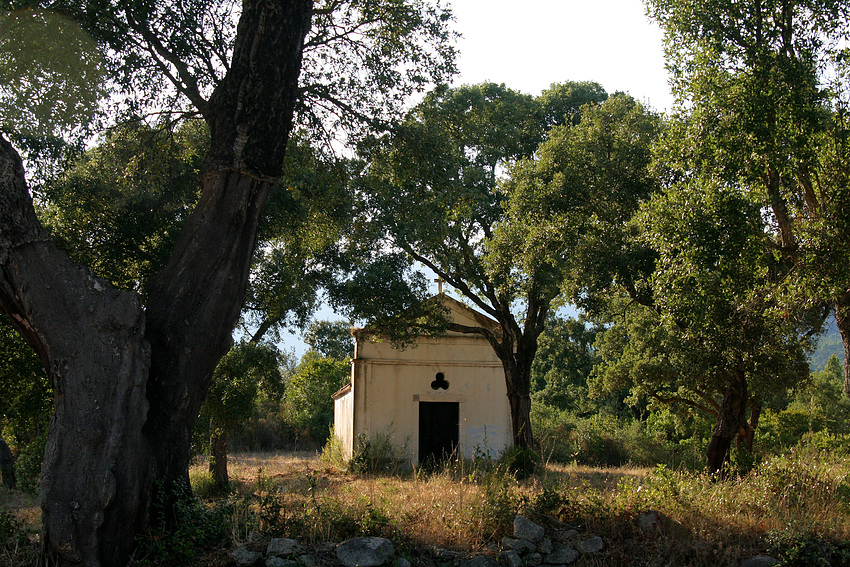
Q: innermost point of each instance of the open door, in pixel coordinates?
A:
(439, 431)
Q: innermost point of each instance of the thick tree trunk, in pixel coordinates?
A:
(194, 303)
(90, 338)
(842, 321)
(7, 465)
(218, 461)
(517, 367)
(749, 429)
(729, 421)
(521, 420)
(100, 464)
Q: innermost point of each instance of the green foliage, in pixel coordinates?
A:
(119, 208)
(333, 453)
(562, 365)
(522, 462)
(199, 528)
(823, 398)
(309, 210)
(28, 464)
(375, 454)
(27, 402)
(828, 344)
(809, 550)
(245, 371)
(331, 339)
(11, 530)
(762, 97)
(51, 74)
(608, 440)
(308, 404)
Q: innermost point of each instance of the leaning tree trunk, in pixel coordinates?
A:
(124, 405)
(7, 465)
(89, 337)
(729, 421)
(194, 303)
(517, 366)
(842, 321)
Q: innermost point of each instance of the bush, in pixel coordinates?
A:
(809, 550)
(28, 465)
(520, 462)
(333, 453)
(374, 455)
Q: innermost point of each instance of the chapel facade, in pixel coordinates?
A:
(444, 395)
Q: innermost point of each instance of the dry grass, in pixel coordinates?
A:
(704, 521)
(789, 502)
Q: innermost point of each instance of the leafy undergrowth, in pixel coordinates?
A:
(795, 507)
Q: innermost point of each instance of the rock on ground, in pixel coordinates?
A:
(592, 545)
(283, 547)
(562, 555)
(521, 546)
(245, 557)
(365, 551)
(482, 561)
(526, 529)
(511, 558)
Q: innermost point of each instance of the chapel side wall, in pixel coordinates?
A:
(344, 422)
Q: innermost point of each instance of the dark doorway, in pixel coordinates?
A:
(438, 431)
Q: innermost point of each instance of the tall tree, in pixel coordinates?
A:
(712, 337)
(763, 87)
(447, 158)
(128, 382)
(240, 375)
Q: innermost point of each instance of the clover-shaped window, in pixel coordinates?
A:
(439, 382)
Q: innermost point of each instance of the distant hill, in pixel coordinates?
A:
(828, 344)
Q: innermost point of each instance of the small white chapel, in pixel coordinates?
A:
(444, 395)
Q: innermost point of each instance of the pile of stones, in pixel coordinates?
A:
(531, 545)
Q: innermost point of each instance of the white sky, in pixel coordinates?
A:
(531, 44)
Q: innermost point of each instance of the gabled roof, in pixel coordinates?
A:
(462, 314)
(458, 313)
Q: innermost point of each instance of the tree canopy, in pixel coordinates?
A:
(475, 162)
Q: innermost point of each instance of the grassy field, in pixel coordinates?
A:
(795, 506)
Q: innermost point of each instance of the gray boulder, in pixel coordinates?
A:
(521, 546)
(545, 546)
(526, 529)
(592, 545)
(284, 547)
(533, 559)
(280, 562)
(648, 520)
(562, 555)
(307, 560)
(245, 557)
(511, 558)
(365, 551)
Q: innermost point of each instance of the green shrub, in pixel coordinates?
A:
(520, 462)
(28, 465)
(808, 550)
(199, 527)
(333, 453)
